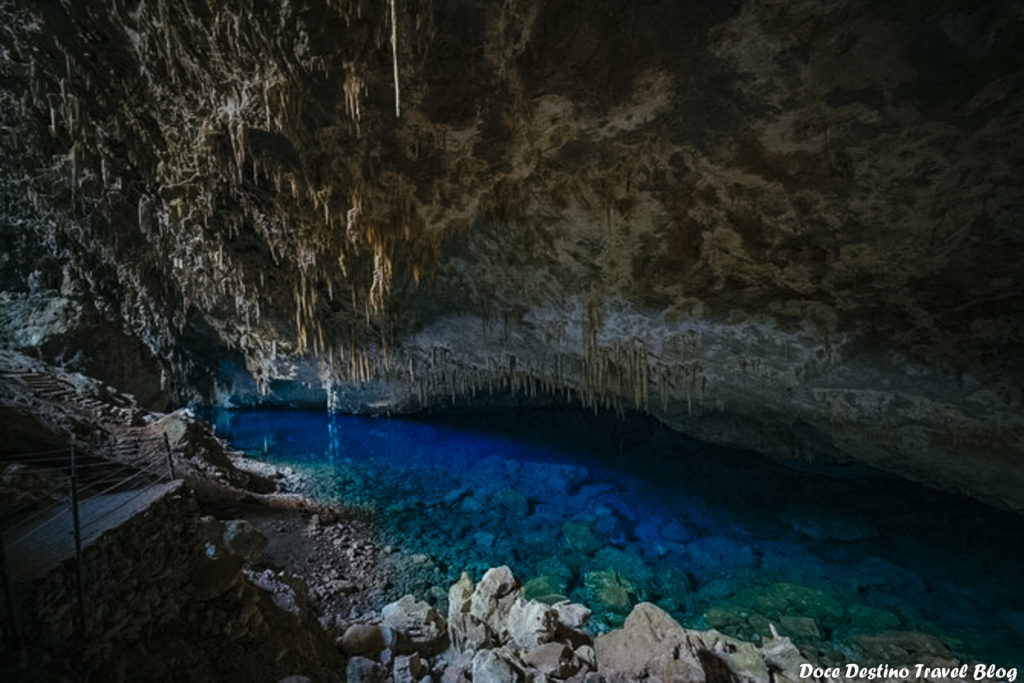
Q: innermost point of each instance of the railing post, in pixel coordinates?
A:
(170, 461)
(78, 544)
(12, 608)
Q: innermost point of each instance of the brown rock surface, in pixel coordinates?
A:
(651, 643)
(784, 226)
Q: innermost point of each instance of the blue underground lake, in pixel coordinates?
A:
(610, 511)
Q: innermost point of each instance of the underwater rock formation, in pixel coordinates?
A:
(791, 227)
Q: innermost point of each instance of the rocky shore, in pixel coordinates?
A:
(235, 574)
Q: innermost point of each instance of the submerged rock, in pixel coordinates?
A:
(781, 599)
(610, 591)
(628, 565)
(902, 647)
(800, 628)
(546, 588)
(826, 526)
(580, 538)
(871, 619)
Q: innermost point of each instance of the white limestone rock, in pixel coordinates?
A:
(531, 623)
(651, 643)
(421, 629)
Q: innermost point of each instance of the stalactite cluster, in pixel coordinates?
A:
(217, 167)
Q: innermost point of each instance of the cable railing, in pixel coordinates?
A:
(73, 497)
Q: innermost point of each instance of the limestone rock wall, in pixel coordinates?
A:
(787, 226)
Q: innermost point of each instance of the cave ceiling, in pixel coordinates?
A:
(790, 226)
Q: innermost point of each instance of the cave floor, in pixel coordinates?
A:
(337, 558)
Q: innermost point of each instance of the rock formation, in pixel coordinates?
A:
(792, 227)
(487, 624)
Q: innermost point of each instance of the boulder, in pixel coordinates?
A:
(491, 602)
(651, 643)
(460, 630)
(243, 540)
(531, 623)
(587, 657)
(493, 666)
(363, 670)
(214, 574)
(783, 658)
(420, 628)
(554, 481)
(554, 567)
(737, 660)
(455, 667)
(553, 659)
(725, 617)
(409, 669)
(454, 674)
(572, 615)
(217, 570)
(672, 583)
(362, 639)
(713, 553)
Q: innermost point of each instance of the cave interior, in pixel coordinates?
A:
(706, 315)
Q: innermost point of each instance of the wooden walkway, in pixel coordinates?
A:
(119, 476)
(35, 548)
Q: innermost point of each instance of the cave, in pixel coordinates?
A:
(510, 340)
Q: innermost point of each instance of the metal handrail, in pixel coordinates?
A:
(120, 505)
(116, 479)
(66, 449)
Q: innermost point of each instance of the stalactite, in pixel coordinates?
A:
(394, 53)
(354, 87)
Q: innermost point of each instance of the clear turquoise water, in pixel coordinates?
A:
(610, 511)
